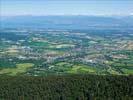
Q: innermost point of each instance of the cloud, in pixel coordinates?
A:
(131, 14)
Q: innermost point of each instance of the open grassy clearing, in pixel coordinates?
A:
(61, 67)
(72, 68)
(127, 71)
(112, 71)
(20, 68)
(38, 44)
(81, 69)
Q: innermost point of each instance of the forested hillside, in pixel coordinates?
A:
(70, 87)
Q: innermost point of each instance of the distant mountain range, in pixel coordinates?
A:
(66, 22)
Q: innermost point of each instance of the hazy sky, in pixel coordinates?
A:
(66, 7)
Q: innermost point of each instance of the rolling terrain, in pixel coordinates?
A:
(66, 58)
(46, 52)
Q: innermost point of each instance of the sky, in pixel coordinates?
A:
(66, 7)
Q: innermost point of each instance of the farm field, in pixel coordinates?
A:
(20, 68)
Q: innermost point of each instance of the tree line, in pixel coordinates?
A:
(66, 87)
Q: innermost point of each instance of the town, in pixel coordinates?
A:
(46, 52)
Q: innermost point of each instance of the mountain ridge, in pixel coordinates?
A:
(67, 22)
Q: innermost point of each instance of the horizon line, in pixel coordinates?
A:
(67, 15)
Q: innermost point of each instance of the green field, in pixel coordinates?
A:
(20, 68)
(66, 67)
(82, 69)
(127, 71)
(38, 44)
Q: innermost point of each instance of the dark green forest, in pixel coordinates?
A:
(67, 87)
